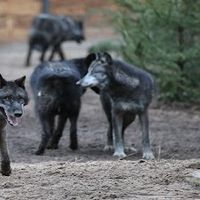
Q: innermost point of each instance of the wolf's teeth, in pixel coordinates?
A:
(14, 121)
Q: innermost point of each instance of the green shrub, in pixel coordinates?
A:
(163, 37)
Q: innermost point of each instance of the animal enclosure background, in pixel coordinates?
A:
(16, 15)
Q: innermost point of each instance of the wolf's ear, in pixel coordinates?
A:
(21, 82)
(2, 81)
(89, 59)
(108, 58)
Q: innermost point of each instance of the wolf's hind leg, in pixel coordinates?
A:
(73, 133)
(5, 161)
(128, 119)
(60, 52)
(53, 144)
(47, 130)
(54, 49)
(42, 57)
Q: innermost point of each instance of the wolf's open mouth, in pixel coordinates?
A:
(13, 121)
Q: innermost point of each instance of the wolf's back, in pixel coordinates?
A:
(43, 31)
(52, 70)
(143, 88)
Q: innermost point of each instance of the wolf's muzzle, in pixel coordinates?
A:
(88, 81)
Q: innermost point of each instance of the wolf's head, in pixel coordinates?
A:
(13, 97)
(98, 71)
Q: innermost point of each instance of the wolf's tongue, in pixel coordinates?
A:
(14, 120)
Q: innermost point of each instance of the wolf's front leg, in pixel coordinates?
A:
(144, 122)
(117, 123)
(5, 161)
(29, 55)
(109, 144)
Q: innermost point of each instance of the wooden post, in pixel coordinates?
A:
(45, 6)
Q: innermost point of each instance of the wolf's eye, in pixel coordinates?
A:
(8, 98)
(22, 101)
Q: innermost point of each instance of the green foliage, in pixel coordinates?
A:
(162, 36)
(108, 45)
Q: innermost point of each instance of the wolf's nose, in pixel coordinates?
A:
(18, 114)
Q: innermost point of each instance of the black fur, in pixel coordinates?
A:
(50, 31)
(57, 94)
(13, 97)
(126, 91)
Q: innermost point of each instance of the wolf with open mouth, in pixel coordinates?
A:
(13, 97)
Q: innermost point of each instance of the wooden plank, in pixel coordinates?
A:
(72, 10)
(22, 7)
(2, 7)
(86, 3)
(77, 7)
(21, 34)
(16, 15)
(2, 21)
(23, 21)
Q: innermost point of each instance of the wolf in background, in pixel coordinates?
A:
(50, 31)
(13, 98)
(126, 91)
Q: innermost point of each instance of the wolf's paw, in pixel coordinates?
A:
(127, 149)
(39, 152)
(148, 155)
(73, 146)
(52, 146)
(108, 148)
(119, 154)
(5, 169)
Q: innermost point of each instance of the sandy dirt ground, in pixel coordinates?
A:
(91, 173)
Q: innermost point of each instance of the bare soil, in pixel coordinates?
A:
(91, 173)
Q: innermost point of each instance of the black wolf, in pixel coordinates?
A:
(50, 31)
(126, 91)
(13, 97)
(57, 94)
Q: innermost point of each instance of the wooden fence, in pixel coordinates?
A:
(16, 15)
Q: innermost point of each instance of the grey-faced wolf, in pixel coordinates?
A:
(56, 94)
(126, 91)
(50, 31)
(13, 98)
